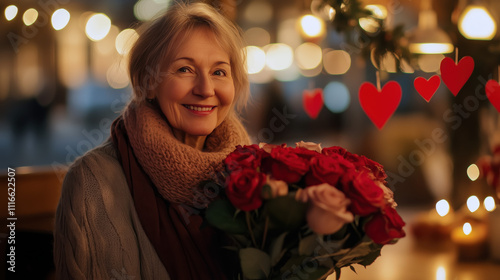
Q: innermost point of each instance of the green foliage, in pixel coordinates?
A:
(220, 214)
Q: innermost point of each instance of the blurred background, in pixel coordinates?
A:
(63, 80)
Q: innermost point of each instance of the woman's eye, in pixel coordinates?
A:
(184, 70)
(220, 73)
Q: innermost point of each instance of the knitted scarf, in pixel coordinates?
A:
(177, 169)
(163, 174)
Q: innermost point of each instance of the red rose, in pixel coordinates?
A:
(363, 163)
(286, 165)
(243, 157)
(366, 196)
(244, 188)
(327, 169)
(334, 150)
(305, 153)
(385, 226)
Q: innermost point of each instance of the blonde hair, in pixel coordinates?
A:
(159, 40)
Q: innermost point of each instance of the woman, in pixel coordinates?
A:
(130, 209)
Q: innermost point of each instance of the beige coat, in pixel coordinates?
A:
(98, 234)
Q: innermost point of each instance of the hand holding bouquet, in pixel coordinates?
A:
(304, 212)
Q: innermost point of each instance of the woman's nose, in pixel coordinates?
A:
(204, 86)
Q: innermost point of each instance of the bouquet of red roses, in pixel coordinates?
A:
(304, 212)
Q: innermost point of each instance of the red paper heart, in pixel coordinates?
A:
(456, 75)
(379, 106)
(493, 93)
(313, 102)
(427, 88)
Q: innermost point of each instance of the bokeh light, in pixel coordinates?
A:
(336, 62)
(442, 207)
(322, 10)
(98, 27)
(430, 63)
(336, 97)
(256, 59)
(476, 23)
(372, 23)
(257, 36)
(125, 40)
(441, 273)
(10, 12)
(287, 33)
(312, 26)
(117, 75)
(473, 172)
(489, 203)
(308, 56)
(467, 228)
(473, 203)
(145, 10)
(60, 19)
(279, 56)
(30, 16)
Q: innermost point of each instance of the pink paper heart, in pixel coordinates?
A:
(427, 88)
(379, 106)
(493, 93)
(456, 75)
(313, 102)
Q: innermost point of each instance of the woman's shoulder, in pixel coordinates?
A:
(98, 170)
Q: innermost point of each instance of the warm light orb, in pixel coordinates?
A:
(312, 26)
(431, 48)
(257, 36)
(473, 172)
(336, 62)
(441, 273)
(371, 23)
(60, 18)
(145, 10)
(442, 207)
(98, 27)
(308, 56)
(476, 23)
(279, 56)
(30, 16)
(473, 203)
(489, 204)
(467, 228)
(125, 40)
(256, 59)
(10, 12)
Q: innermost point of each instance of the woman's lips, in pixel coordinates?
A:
(200, 109)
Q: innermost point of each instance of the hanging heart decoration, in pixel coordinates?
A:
(313, 102)
(427, 88)
(456, 75)
(380, 105)
(493, 93)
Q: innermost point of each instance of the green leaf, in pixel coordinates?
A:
(255, 264)
(277, 248)
(286, 212)
(220, 214)
(307, 245)
(363, 252)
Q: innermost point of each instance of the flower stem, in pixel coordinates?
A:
(247, 215)
(265, 233)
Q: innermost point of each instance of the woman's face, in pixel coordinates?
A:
(197, 89)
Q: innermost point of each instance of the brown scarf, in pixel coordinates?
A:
(176, 168)
(162, 174)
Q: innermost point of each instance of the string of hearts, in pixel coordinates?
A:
(379, 104)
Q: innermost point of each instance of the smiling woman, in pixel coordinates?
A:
(133, 204)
